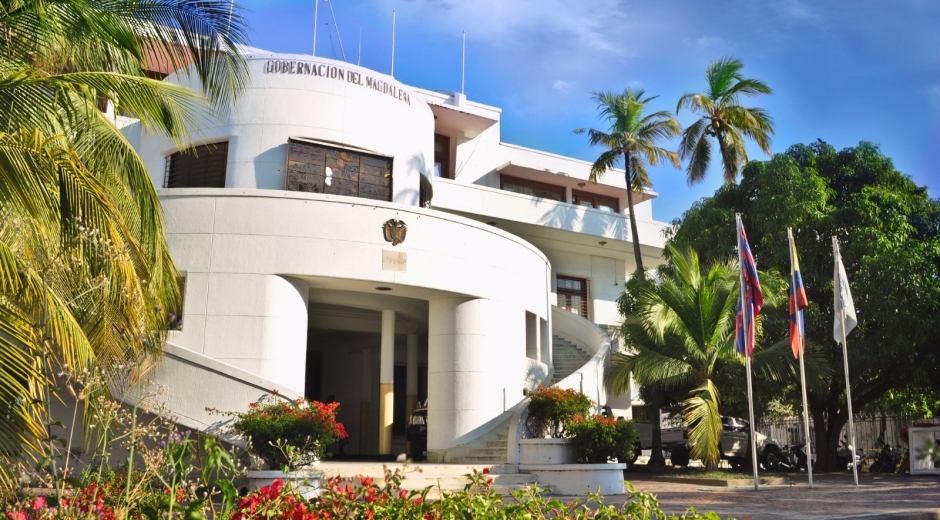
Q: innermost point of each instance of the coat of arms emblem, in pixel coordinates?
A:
(395, 231)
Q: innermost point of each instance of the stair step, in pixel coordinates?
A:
(488, 451)
(496, 444)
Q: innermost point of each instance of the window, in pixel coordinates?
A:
(533, 188)
(318, 168)
(200, 167)
(442, 156)
(593, 200)
(573, 295)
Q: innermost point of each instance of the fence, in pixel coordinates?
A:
(870, 432)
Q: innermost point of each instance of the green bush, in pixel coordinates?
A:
(551, 408)
(595, 439)
(289, 434)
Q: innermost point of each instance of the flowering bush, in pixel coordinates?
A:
(595, 439)
(550, 408)
(363, 498)
(88, 503)
(290, 434)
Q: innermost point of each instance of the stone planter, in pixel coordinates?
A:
(306, 482)
(578, 479)
(545, 451)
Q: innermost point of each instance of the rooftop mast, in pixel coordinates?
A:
(393, 44)
(316, 15)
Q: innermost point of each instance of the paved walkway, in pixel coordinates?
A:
(834, 496)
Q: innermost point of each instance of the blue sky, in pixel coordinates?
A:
(842, 71)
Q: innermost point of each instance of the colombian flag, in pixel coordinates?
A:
(798, 302)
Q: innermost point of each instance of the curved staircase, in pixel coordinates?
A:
(567, 358)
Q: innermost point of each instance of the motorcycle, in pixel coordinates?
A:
(794, 457)
(888, 461)
(844, 455)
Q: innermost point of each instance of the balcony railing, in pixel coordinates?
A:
(500, 204)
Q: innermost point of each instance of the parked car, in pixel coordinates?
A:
(735, 444)
(417, 434)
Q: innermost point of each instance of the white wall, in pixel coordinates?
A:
(250, 255)
(277, 106)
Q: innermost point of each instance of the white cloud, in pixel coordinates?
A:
(933, 95)
(797, 10)
(561, 86)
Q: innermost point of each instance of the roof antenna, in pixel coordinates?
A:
(316, 15)
(393, 43)
(335, 26)
(463, 63)
(359, 59)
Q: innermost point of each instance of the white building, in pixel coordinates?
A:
(288, 225)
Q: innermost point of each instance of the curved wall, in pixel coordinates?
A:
(314, 98)
(253, 258)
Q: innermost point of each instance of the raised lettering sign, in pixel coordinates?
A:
(322, 70)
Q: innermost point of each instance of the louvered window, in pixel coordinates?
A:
(573, 295)
(201, 167)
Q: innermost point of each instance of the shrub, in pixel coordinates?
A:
(595, 439)
(551, 408)
(289, 434)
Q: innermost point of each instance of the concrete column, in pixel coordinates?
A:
(283, 348)
(366, 401)
(386, 382)
(545, 337)
(411, 377)
(476, 359)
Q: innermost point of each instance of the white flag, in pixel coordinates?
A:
(842, 298)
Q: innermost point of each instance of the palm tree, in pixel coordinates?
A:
(725, 120)
(631, 140)
(680, 333)
(86, 278)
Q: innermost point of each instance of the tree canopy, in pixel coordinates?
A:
(889, 235)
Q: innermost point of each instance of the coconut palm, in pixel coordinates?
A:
(725, 120)
(631, 140)
(680, 335)
(86, 279)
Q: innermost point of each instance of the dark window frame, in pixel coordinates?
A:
(597, 199)
(552, 188)
(584, 293)
(355, 172)
(444, 155)
(203, 166)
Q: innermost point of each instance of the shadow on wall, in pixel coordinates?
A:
(563, 215)
(412, 196)
(271, 169)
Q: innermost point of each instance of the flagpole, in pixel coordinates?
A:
(747, 355)
(845, 358)
(801, 327)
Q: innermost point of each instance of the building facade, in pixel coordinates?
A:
(342, 234)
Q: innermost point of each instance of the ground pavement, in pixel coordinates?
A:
(834, 496)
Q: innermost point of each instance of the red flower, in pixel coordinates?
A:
(403, 494)
(365, 481)
(39, 503)
(486, 471)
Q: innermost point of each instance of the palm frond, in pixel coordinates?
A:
(700, 412)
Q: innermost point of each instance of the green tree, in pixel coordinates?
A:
(889, 232)
(679, 333)
(725, 120)
(631, 139)
(86, 279)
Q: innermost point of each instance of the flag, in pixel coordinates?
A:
(753, 297)
(798, 302)
(842, 298)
